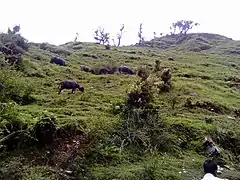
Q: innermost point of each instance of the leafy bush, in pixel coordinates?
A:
(13, 131)
(12, 42)
(141, 128)
(15, 88)
(9, 121)
(45, 130)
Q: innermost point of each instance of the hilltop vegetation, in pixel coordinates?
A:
(196, 42)
(122, 126)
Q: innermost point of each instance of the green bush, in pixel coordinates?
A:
(9, 121)
(15, 87)
(12, 42)
(45, 130)
(13, 131)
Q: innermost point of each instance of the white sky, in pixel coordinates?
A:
(57, 21)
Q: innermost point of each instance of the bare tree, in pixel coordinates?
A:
(140, 34)
(15, 30)
(101, 36)
(182, 26)
(114, 42)
(154, 34)
(119, 36)
(76, 37)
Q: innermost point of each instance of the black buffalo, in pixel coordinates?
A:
(125, 70)
(85, 68)
(58, 61)
(104, 70)
(70, 84)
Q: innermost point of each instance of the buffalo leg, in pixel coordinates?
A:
(60, 90)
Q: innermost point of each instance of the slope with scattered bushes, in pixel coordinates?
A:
(145, 126)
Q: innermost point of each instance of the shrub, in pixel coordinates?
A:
(12, 42)
(15, 87)
(9, 121)
(12, 130)
(141, 128)
(45, 130)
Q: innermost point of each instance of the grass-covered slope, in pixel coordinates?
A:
(205, 94)
(197, 42)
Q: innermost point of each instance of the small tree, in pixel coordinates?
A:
(119, 36)
(15, 30)
(141, 39)
(76, 37)
(12, 42)
(182, 26)
(101, 36)
(114, 42)
(154, 35)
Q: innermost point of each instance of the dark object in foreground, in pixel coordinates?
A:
(70, 84)
(210, 148)
(58, 61)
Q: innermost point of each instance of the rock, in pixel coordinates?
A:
(210, 148)
(68, 172)
(230, 117)
(193, 94)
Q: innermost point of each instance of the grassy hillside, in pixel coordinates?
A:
(208, 81)
(197, 42)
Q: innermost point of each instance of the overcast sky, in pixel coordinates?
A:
(57, 21)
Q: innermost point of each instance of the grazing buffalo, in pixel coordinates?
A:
(70, 84)
(85, 68)
(125, 70)
(57, 60)
(104, 70)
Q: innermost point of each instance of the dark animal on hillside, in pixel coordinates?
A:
(125, 70)
(58, 61)
(85, 68)
(70, 84)
(104, 70)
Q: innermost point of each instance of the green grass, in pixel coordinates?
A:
(93, 108)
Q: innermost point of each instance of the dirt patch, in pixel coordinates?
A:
(190, 75)
(210, 106)
(60, 154)
(134, 58)
(65, 150)
(233, 82)
(237, 112)
(89, 55)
